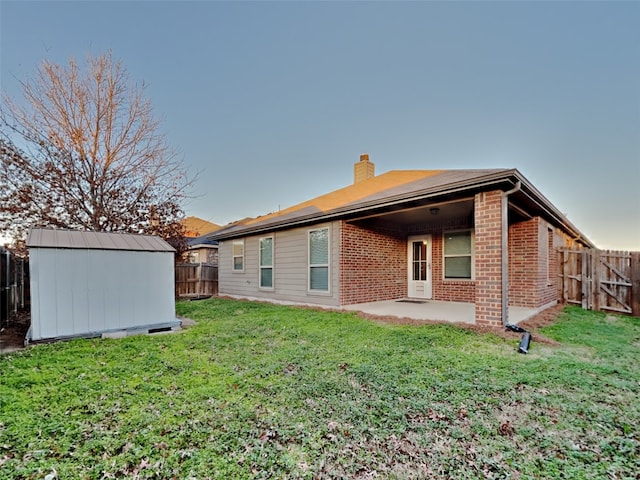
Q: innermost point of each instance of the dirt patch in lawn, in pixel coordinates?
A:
(13, 335)
(542, 319)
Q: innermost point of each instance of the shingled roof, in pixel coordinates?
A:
(195, 226)
(396, 185)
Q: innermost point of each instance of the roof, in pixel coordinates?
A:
(49, 238)
(396, 189)
(369, 192)
(195, 227)
(202, 241)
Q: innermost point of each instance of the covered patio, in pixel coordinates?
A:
(436, 310)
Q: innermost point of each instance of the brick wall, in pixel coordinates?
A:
(533, 279)
(372, 264)
(523, 263)
(488, 260)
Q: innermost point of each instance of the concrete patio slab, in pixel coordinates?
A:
(454, 312)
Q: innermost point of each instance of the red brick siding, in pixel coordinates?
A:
(523, 263)
(547, 278)
(373, 264)
(488, 260)
(533, 279)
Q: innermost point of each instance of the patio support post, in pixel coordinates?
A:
(505, 252)
(504, 247)
(488, 257)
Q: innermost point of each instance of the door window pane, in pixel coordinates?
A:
(420, 260)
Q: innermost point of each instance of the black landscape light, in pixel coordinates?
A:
(524, 343)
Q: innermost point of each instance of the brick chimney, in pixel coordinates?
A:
(363, 169)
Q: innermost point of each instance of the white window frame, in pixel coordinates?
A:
(472, 256)
(262, 267)
(319, 265)
(234, 256)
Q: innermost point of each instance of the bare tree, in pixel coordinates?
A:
(93, 155)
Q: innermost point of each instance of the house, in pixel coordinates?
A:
(486, 237)
(86, 284)
(202, 249)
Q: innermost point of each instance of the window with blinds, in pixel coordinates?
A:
(238, 255)
(458, 255)
(319, 260)
(266, 262)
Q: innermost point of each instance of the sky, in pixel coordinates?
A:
(271, 103)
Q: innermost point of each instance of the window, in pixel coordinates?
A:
(266, 262)
(319, 260)
(458, 255)
(238, 255)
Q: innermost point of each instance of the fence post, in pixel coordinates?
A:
(635, 284)
(596, 272)
(565, 276)
(584, 279)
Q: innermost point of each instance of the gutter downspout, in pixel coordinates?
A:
(504, 247)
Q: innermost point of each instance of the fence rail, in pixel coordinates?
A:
(196, 280)
(603, 280)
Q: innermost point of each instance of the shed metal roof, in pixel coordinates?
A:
(49, 238)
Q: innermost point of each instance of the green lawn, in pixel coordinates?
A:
(265, 391)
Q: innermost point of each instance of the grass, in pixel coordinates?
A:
(266, 391)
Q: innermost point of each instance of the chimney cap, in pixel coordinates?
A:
(364, 157)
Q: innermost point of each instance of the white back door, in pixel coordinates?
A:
(419, 266)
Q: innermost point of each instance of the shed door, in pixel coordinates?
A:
(419, 263)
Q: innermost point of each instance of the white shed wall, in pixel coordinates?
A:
(79, 292)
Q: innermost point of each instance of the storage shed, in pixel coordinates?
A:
(86, 284)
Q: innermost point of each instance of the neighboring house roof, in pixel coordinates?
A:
(202, 241)
(195, 227)
(395, 189)
(49, 238)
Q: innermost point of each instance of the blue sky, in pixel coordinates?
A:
(273, 102)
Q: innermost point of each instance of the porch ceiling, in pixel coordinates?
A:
(430, 213)
(436, 213)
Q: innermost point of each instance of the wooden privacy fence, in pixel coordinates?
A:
(196, 280)
(14, 286)
(600, 279)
